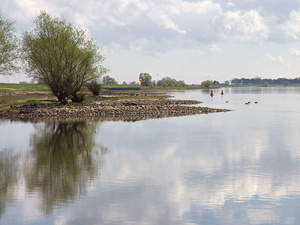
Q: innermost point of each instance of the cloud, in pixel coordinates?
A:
(230, 4)
(112, 48)
(148, 27)
(215, 48)
(163, 16)
(294, 52)
(211, 49)
(200, 53)
(185, 23)
(275, 58)
(245, 26)
(24, 11)
(291, 27)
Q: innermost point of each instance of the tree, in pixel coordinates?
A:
(9, 47)
(236, 81)
(145, 79)
(206, 83)
(169, 82)
(265, 84)
(109, 80)
(216, 83)
(64, 57)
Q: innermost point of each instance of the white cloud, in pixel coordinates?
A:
(163, 19)
(230, 4)
(215, 48)
(211, 49)
(294, 52)
(275, 58)
(26, 10)
(291, 27)
(180, 23)
(246, 27)
(137, 46)
(112, 48)
(200, 53)
(156, 28)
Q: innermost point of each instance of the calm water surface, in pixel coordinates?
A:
(239, 167)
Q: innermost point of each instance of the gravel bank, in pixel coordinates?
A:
(105, 108)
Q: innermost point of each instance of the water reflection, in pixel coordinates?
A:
(233, 168)
(241, 167)
(62, 164)
(9, 177)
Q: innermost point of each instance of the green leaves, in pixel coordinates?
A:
(206, 83)
(62, 56)
(145, 79)
(9, 47)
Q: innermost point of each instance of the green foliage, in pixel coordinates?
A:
(145, 79)
(109, 80)
(64, 57)
(266, 84)
(121, 87)
(169, 82)
(206, 83)
(260, 81)
(94, 87)
(9, 47)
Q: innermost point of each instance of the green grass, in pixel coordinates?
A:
(6, 90)
(10, 88)
(121, 87)
(188, 87)
(6, 100)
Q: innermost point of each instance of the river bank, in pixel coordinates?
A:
(127, 106)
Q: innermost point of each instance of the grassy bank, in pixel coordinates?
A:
(20, 94)
(11, 88)
(17, 94)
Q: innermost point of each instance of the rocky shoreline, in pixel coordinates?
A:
(109, 108)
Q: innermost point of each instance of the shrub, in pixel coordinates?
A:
(77, 98)
(94, 87)
(266, 84)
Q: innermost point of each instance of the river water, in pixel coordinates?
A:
(238, 167)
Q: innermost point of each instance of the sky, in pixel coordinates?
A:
(189, 40)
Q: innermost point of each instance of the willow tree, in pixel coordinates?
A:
(63, 56)
(145, 79)
(9, 49)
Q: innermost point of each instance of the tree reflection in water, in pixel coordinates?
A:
(63, 162)
(9, 177)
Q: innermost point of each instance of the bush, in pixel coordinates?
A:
(206, 83)
(266, 84)
(78, 98)
(94, 87)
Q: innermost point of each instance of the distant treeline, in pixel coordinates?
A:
(258, 80)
